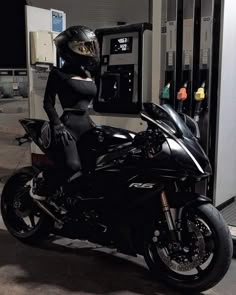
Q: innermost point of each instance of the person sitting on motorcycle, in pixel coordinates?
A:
(75, 88)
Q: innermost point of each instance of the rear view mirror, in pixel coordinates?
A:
(164, 127)
(192, 125)
(160, 114)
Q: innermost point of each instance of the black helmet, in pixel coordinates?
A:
(78, 46)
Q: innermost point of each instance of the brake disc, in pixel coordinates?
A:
(181, 261)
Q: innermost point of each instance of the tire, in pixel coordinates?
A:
(234, 243)
(218, 266)
(17, 190)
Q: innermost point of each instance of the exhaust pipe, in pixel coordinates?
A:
(59, 223)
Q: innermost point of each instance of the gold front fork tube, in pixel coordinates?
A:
(167, 212)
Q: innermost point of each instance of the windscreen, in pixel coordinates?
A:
(169, 117)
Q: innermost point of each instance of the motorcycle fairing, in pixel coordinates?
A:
(39, 130)
(184, 146)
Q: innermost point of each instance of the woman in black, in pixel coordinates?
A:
(75, 88)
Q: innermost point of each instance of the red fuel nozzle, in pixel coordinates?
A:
(182, 94)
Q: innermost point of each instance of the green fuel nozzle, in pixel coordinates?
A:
(165, 94)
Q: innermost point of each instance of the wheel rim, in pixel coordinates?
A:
(20, 214)
(201, 269)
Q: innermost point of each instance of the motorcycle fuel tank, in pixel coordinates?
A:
(102, 144)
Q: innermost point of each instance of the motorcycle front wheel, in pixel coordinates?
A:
(202, 257)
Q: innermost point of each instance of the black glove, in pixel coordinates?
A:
(62, 135)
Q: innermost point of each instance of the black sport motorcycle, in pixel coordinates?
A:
(136, 194)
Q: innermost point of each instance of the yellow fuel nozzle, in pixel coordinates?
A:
(200, 94)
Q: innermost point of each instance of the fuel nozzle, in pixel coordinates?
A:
(199, 96)
(165, 94)
(182, 95)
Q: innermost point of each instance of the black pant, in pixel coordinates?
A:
(77, 123)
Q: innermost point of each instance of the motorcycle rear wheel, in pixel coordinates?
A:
(204, 276)
(22, 217)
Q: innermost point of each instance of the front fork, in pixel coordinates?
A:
(169, 219)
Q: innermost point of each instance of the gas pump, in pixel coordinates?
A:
(124, 81)
(173, 50)
(190, 59)
(202, 101)
(202, 96)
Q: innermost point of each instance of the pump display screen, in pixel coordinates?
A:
(121, 45)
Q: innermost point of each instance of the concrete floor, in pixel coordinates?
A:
(70, 267)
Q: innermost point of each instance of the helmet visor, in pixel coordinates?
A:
(85, 48)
